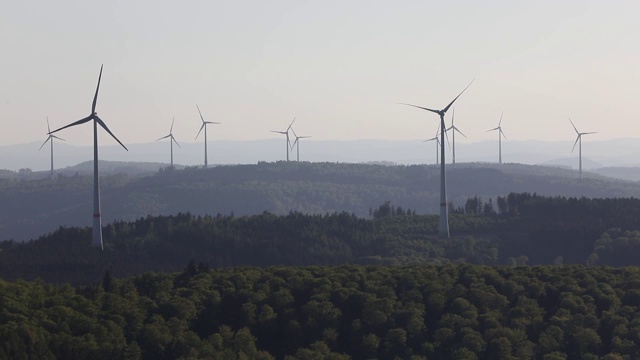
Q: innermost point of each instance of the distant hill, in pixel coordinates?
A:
(572, 163)
(33, 208)
(516, 229)
(626, 173)
(129, 168)
(607, 153)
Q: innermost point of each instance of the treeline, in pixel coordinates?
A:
(349, 312)
(528, 230)
(166, 243)
(32, 208)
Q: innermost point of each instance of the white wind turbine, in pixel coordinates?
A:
(171, 140)
(204, 126)
(579, 140)
(444, 214)
(453, 129)
(296, 143)
(437, 139)
(97, 221)
(500, 136)
(50, 139)
(286, 133)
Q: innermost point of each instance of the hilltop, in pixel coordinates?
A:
(597, 154)
(518, 229)
(36, 207)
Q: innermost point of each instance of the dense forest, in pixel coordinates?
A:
(33, 208)
(349, 312)
(519, 229)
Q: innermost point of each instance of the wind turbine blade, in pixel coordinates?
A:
(453, 115)
(574, 144)
(446, 135)
(95, 97)
(59, 138)
(459, 132)
(49, 138)
(290, 125)
(175, 141)
(503, 135)
(164, 137)
(494, 129)
(201, 118)
(500, 122)
(294, 133)
(294, 143)
(212, 122)
(454, 100)
(81, 121)
(48, 128)
(574, 127)
(104, 126)
(201, 127)
(303, 137)
(420, 107)
(449, 128)
(587, 133)
(172, 121)
(279, 132)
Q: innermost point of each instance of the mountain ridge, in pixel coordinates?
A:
(607, 153)
(43, 205)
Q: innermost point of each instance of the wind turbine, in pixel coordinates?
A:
(579, 139)
(444, 215)
(296, 143)
(453, 129)
(437, 139)
(204, 126)
(50, 138)
(286, 132)
(97, 221)
(172, 140)
(500, 136)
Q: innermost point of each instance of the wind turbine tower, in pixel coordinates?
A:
(97, 221)
(444, 215)
(286, 133)
(296, 143)
(50, 139)
(171, 140)
(204, 126)
(453, 129)
(500, 136)
(437, 139)
(579, 140)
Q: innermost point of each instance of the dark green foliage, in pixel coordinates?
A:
(166, 243)
(347, 312)
(41, 206)
(529, 230)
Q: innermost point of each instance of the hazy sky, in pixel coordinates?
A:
(340, 67)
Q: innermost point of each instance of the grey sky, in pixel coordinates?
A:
(340, 67)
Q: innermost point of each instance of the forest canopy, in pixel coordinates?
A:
(519, 229)
(347, 312)
(41, 206)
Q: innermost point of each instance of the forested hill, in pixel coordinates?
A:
(519, 229)
(459, 312)
(32, 208)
